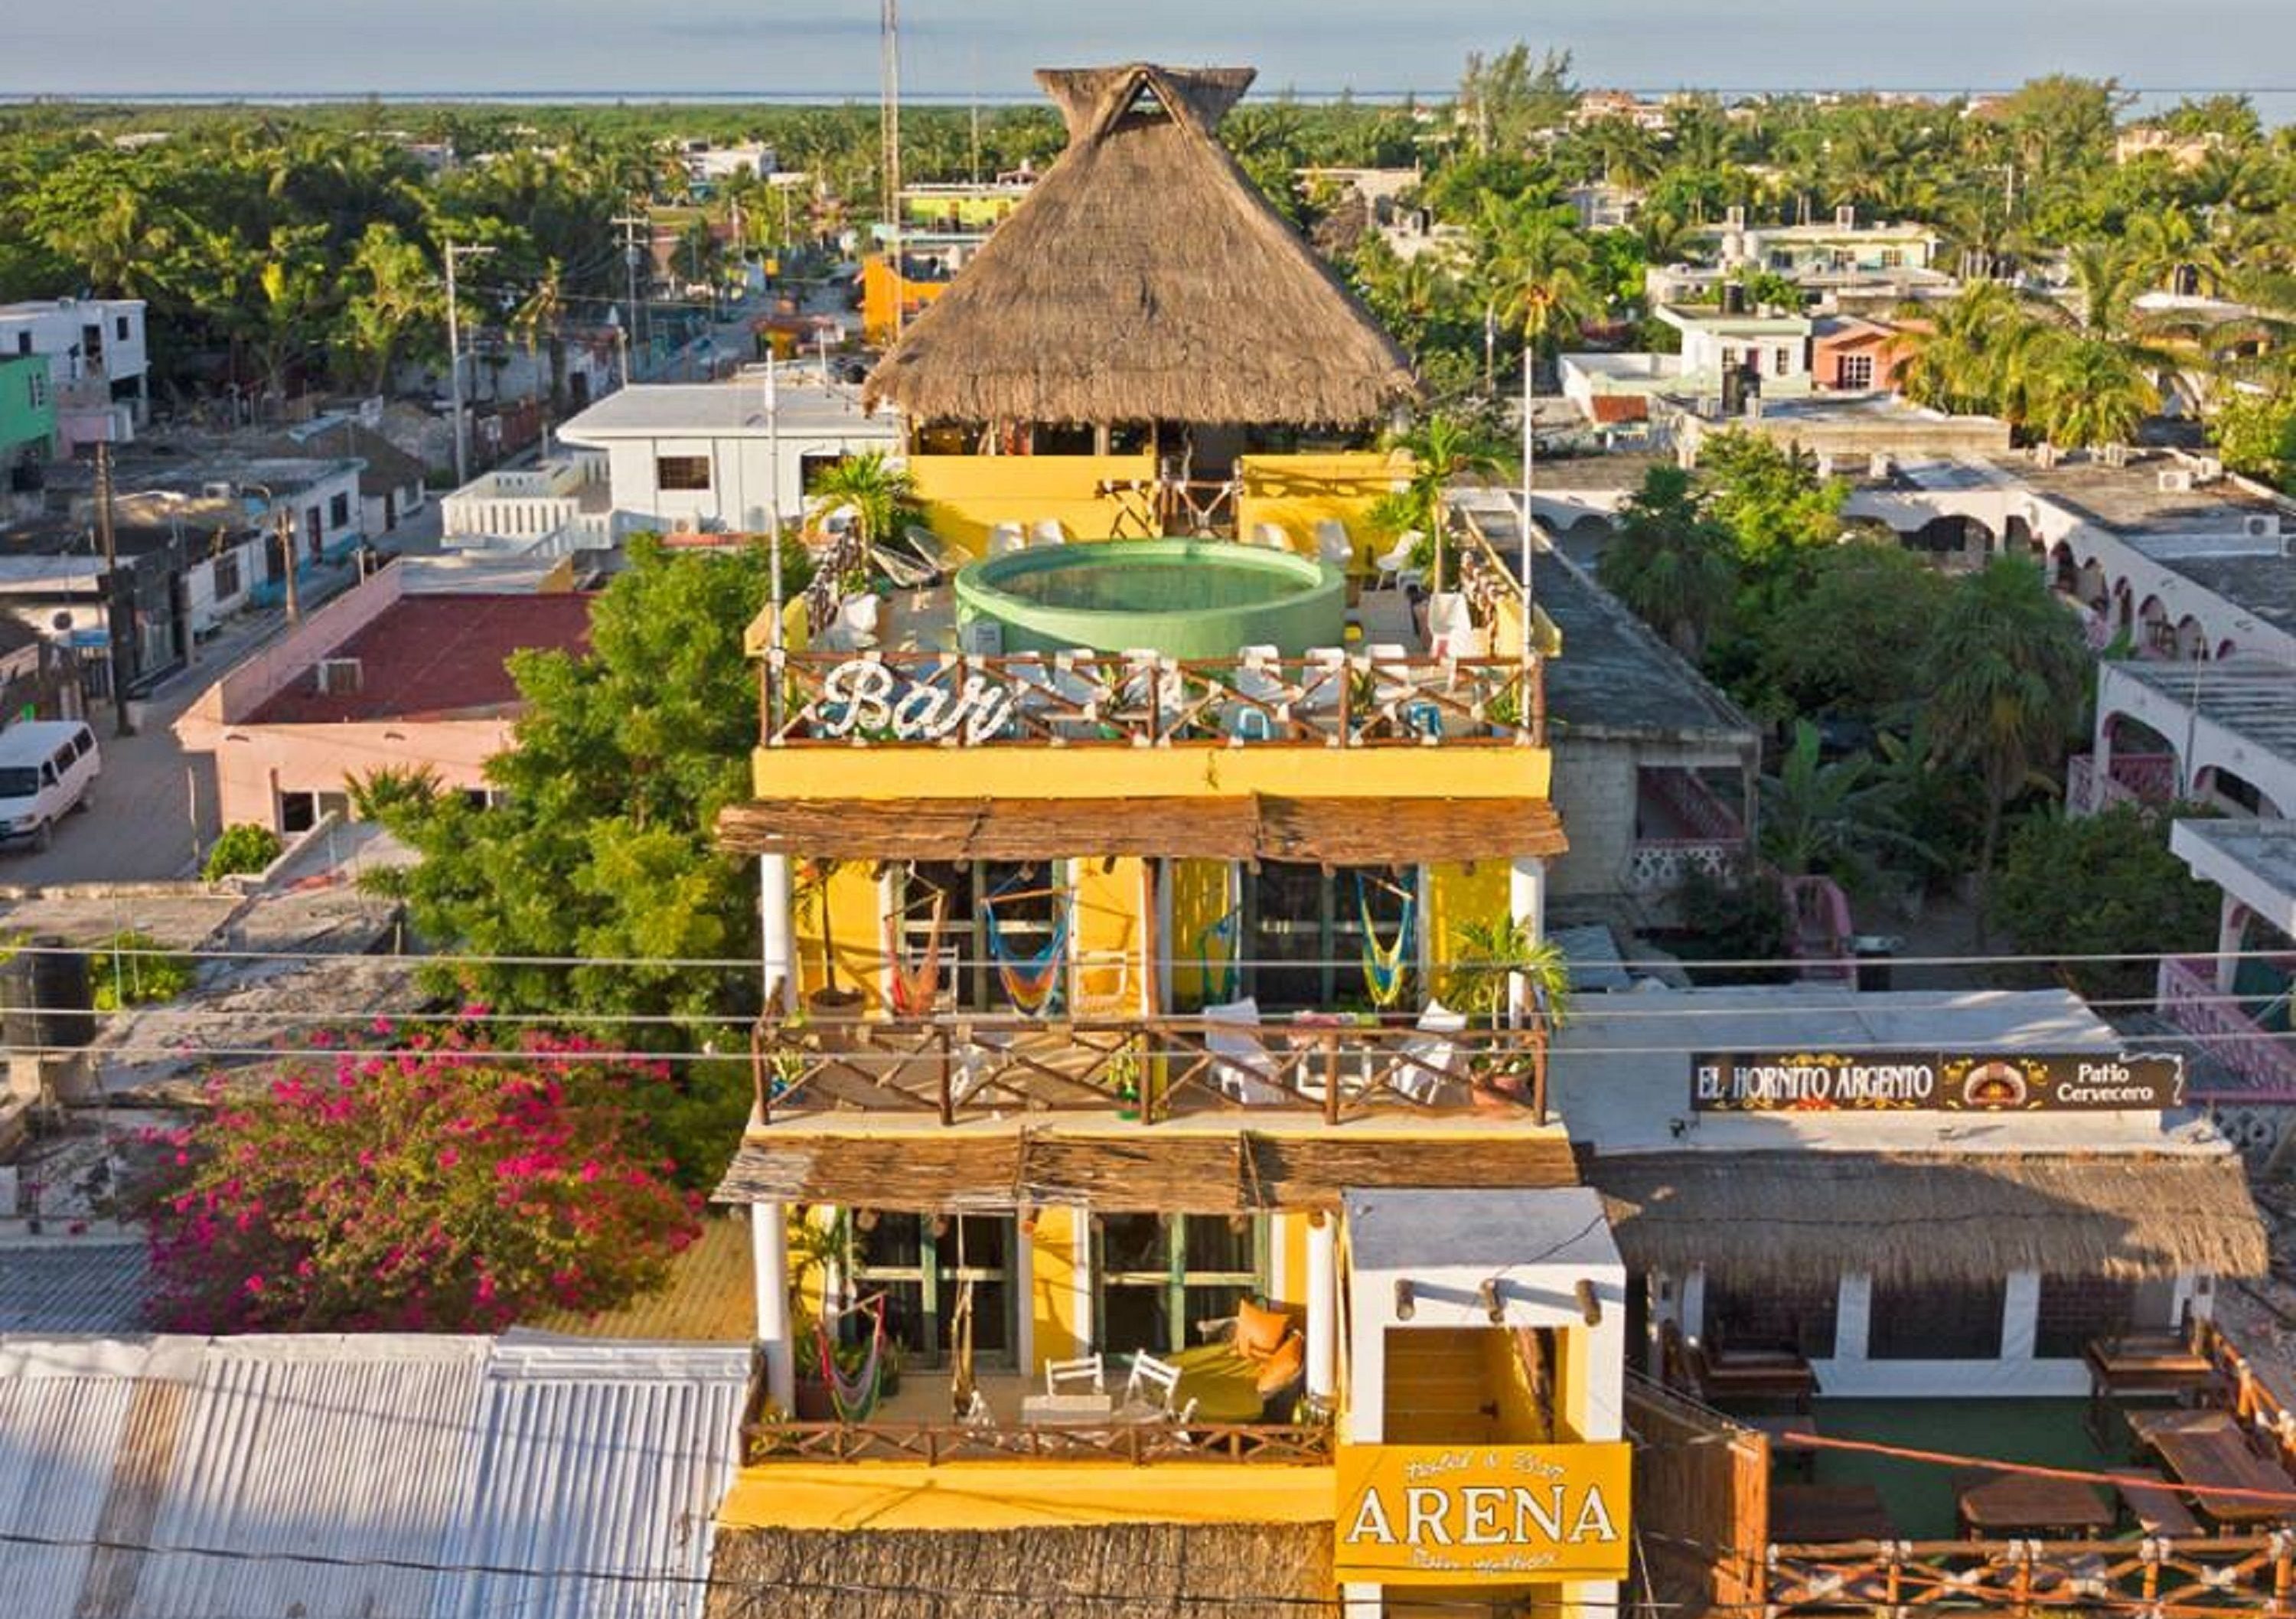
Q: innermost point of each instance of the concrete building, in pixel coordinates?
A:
(98, 365)
(378, 677)
(27, 415)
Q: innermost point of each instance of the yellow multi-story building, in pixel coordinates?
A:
(1154, 1069)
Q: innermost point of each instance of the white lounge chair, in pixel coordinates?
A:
(1429, 1058)
(855, 627)
(1324, 680)
(1048, 532)
(934, 550)
(1333, 545)
(1451, 627)
(1395, 567)
(1242, 1066)
(1007, 538)
(1084, 1375)
(1270, 537)
(1257, 678)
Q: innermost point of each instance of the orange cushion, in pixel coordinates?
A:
(1281, 1369)
(1259, 1332)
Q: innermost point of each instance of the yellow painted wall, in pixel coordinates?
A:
(812, 1283)
(1571, 1381)
(1297, 492)
(1106, 941)
(1287, 1261)
(857, 927)
(966, 496)
(1458, 894)
(1500, 771)
(1063, 1242)
(1199, 899)
(880, 284)
(1522, 1416)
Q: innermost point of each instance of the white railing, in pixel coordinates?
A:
(1660, 865)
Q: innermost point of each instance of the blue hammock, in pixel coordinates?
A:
(1032, 982)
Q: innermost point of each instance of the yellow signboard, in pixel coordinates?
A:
(1459, 1514)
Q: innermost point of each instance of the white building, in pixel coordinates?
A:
(711, 456)
(707, 163)
(97, 361)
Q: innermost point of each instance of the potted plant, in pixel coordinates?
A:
(831, 1005)
(1488, 955)
(814, 1246)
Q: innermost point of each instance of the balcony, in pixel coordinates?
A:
(1702, 835)
(538, 510)
(1148, 1069)
(1336, 699)
(2187, 995)
(2141, 779)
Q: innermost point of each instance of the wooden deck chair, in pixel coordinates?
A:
(1431, 1058)
(1083, 1375)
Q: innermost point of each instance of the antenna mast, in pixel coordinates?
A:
(890, 123)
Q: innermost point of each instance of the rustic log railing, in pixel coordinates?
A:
(1149, 1069)
(1134, 1444)
(1085, 698)
(2230, 1573)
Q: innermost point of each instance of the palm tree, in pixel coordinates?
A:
(1840, 819)
(2006, 673)
(2090, 392)
(540, 319)
(1443, 449)
(880, 495)
(1671, 562)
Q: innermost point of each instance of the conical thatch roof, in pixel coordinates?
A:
(1144, 279)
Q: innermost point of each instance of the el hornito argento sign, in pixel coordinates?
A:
(1932, 1081)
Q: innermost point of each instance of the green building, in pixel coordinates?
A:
(28, 411)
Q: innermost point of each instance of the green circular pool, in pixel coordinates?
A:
(1187, 598)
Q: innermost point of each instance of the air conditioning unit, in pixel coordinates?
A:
(2177, 481)
(338, 677)
(216, 491)
(2263, 525)
(2207, 469)
(2043, 455)
(1845, 217)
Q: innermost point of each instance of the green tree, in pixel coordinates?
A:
(604, 850)
(1506, 99)
(2005, 674)
(2255, 433)
(1770, 498)
(1851, 637)
(1671, 562)
(397, 294)
(1840, 817)
(2103, 885)
(2091, 393)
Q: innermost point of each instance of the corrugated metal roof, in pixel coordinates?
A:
(74, 1285)
(374, 1450)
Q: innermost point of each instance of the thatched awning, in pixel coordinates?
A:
(1173, 1571)
(1780, 1217)
(1144, 278)
(1147, 1172)
(1251, 827)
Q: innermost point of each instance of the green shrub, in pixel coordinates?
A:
(243, 849)
(133, 969)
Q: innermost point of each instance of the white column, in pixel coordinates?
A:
(1526, 905)
(780, 952)
(1323, 1306)
(769, 1254)
(2232, 921)
(2021, 1315)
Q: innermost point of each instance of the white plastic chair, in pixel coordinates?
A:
(1048, 532)
(1255, 678)
(1324, 680)
(1395, 567)
(1007, 538)
(1270, 537)
(1152, 1385)
(855, 627)
(1084, 1375)
(1242, 1066)
(1333, 545)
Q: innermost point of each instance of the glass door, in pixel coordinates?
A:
(1161, 1276)
(923, 1264)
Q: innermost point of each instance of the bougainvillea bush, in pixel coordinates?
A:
(433, 1183)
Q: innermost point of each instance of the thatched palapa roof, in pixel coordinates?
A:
(1913, 1218)
(1173, 1571)
(1145, 279)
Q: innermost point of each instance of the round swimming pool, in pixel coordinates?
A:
(1187, 598)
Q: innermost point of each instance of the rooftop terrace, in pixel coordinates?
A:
(434, 657)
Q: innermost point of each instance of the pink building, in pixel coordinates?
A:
(378, 677)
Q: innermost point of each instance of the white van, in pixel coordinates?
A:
(46, 766)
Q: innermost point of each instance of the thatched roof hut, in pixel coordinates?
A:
(1913, 1217)
(1142, 280)
(1173, 1571)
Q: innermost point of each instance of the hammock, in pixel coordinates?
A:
(915, 989)
(1223, 930)
(1386, 968)
(854, 1398)
(1032, 982)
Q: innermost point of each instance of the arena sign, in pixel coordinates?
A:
(1914, 1081)
(1457, 1514)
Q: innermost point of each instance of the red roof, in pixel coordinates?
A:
(1610, 408)
(434, 657)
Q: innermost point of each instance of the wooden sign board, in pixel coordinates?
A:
(1934, 1081)
(1482, 1515)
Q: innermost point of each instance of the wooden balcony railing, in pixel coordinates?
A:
(1151, 1070)
(1085, 699)
(1133, 1443)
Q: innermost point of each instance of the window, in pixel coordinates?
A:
(119, 328)
(2076, 1309)
(39, 389)
(338, 511)
(1782, 363)
(226, 575)
(1936, 1321)
(1856, 371)
(681, 472)
(1773, 1315)
(23, 342)
(1161, 1274)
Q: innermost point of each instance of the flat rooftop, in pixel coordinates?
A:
(1621, 1073)
(2254, 698)
(436, 657)
(737, 408)
(2256, 857)
(1615, 676)
(2129, 500)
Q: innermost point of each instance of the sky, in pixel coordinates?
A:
(958, 47)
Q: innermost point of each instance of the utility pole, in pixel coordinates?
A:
(283, 520)
(454, 251)
(120, 615)
(630, 226)
(890, 25)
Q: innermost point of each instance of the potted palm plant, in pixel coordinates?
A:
(830, 1004)
(1488, 955)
